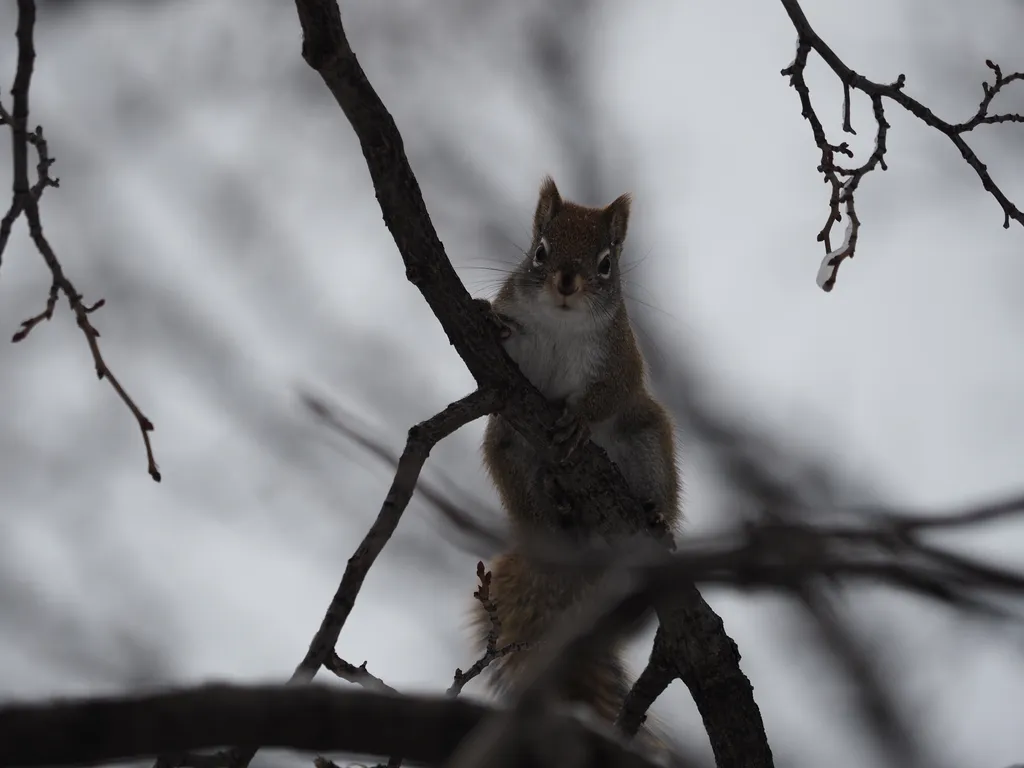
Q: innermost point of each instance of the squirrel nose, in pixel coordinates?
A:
(567, 284)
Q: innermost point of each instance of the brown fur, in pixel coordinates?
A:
(588, 359)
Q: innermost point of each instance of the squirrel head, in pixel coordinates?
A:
(572, 268)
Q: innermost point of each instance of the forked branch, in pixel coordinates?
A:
(844, 180)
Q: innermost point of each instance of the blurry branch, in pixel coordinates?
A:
(780, 549)
(491, 650)
(844, 180)
(450, 510)
(25, 201)
(591, 483)
(89, 731)
(885, 719)
(615, 603)
(796, 558)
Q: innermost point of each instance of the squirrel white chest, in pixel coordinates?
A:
(559, 359)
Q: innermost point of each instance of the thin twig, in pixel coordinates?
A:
(358, 675)
(491, 650)
(25, 202)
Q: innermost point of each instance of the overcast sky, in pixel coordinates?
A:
(212, 192)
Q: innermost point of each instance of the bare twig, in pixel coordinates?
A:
(25, 202)
(358, 675)
(491, 650)
(94, 730)
(844, 181)
(422, 438)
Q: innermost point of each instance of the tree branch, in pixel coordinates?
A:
(844, 181)
(90, 731)
(25, 201)
(592, 484)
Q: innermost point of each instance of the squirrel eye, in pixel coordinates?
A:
(604, 265)
(541, 254)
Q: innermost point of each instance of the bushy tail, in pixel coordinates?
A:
(526, 603)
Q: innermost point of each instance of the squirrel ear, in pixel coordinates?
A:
(617, 216)
(548, 205)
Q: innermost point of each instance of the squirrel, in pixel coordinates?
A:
(562, 318)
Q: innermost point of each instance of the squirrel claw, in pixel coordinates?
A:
(502, 323)
(569, 434)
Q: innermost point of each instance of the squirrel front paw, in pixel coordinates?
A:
(570, 432)
(502, 323)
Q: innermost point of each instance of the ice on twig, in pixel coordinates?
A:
(831, 261)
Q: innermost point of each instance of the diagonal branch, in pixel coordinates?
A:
(844, 181)
(422, 438)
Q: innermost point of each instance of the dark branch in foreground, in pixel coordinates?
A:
(843, 180)
(25, 201)
(309, 718)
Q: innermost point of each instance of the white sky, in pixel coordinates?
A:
(212, 192)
